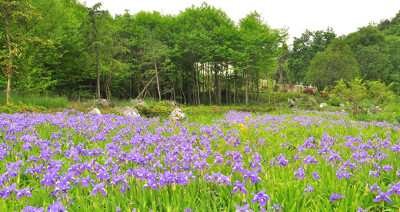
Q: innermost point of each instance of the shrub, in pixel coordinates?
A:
(11, 108)
(325, 95)
(308, 91)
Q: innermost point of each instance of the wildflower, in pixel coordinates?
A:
(374, 173)
(336, 196)
(262, 197)
(300, 173)
(23, 192)
(29, 208)
(374, 187)
(316, 175)
(276, 207)
(97, 188)
(395, 188)
(387, 168)
(282, 161)
(383, 196)
(240, 186)
(308, 189)
(242, 208)
(56, 207)
(310, 159)
(360, 209)
(7, 191)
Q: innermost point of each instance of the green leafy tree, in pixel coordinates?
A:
(14, 14)
(303, 51)
(379, 91)
(353, 91)
(335, 63)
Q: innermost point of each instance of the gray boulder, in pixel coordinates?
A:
(139, 102)
(174, 104)
(128, 111)
(291, 101)
(312, 101)
(177, 115)
(323, 105)
(101, 102)
(94, 111)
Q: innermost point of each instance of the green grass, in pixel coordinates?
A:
(43, 101)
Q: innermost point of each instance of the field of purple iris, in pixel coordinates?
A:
(300, 161)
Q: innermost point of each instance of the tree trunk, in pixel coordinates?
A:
(217, 86)
(247, 90)
(158, 83)
(10, 64)
(234, 88)
(98, 70)
(209, 84)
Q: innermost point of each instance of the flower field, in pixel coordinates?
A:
(304, 161)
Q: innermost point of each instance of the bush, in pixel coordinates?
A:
(154, 111)
(11, 108)
(308, 91)
(325, 95)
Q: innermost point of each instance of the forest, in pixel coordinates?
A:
(199, 56)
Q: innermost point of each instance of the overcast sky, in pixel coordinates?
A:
(344, 16)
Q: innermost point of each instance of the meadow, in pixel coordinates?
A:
(237, 161)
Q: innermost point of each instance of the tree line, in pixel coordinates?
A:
(321, 58)
(199, 56)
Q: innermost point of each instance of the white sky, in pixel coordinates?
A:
(344, 16)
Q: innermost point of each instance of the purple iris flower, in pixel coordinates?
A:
(97, 188)
(7, 190)
(360, 209)
(56, 207)
(395, 188)
(242, 208)
(24, 192)
(282, 161)
(383, 196)
(240, 186)
(310, 159)
(308, 189)
(336, 196)
(316, 175)
(300, 173)
(374, 173)
(262, 197)
(387, 168)
(29, 208)
(374, 187)
(343, 173)
(276, 207)
(85, 181)
(253, 175)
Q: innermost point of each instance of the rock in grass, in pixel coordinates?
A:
(177, 115)
(323, 105)
(139, 102)
(104, 103)
(95, 111)
(291, 101)
(128, 111)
